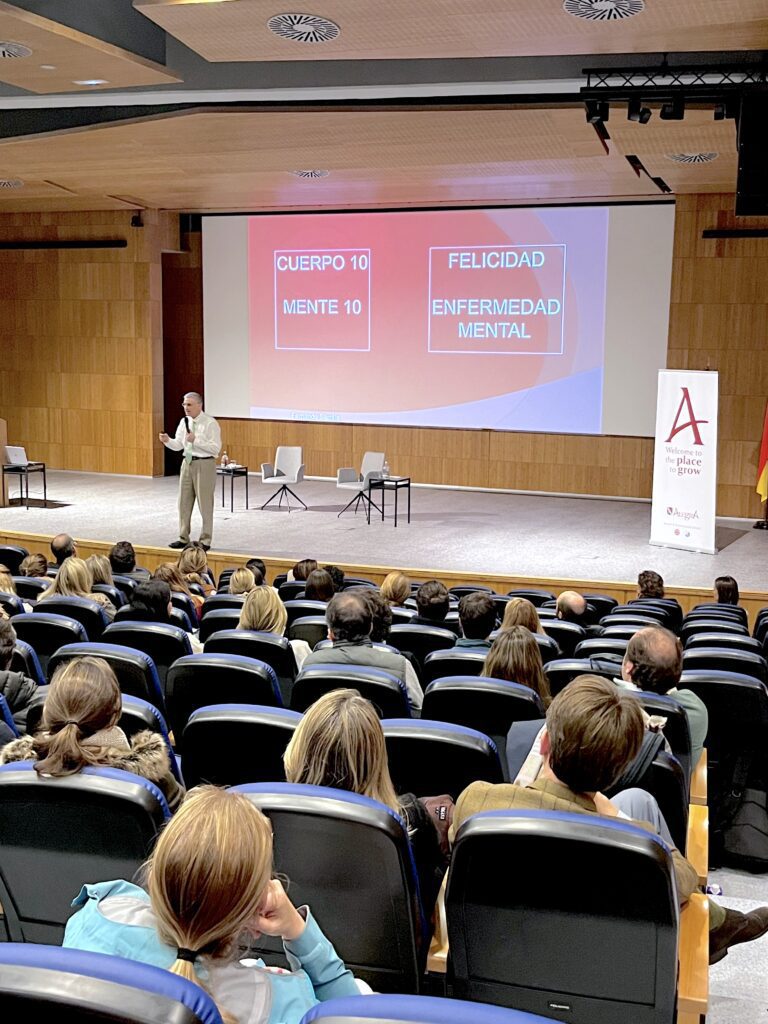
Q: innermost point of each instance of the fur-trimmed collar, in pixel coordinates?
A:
(147, 755)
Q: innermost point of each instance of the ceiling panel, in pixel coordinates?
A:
(236, 30)
(61, 56)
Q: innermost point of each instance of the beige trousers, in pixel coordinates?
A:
(197, 482)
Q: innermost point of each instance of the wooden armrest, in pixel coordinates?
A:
(438, 948)
(693, 959)
(697, 847)
(699, 781)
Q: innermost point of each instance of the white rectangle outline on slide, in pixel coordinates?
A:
(312, 348)
(476, 352)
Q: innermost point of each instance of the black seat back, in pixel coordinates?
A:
(11, 556)
(533, 594)
(215, 602)
(721, 659)
(125, 584)
(567, 635)
(488, 705)
(163, 642)
(300, 609)
(135, 670)
(602, 604)
(11, 604)
(602, 647)
(549, 648)
(46, 633)
(312, 629)
(88, 613)
(421, 640)
(289, 590)
(25, 660)
(456, 661)
(728, 641)
(563, 671)
(29, 588)
(385, 691)
(216, 620)
(270, 648)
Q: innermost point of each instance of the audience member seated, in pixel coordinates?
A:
(63, 546)
(477, 615)
(79, 728)
(302, 569)
(381, 623)
(319, 586)
(516, 658)
(650, 584)
(101, 569)
(572, 607)
(520, 612)
(74, 579)
(349, 627)
(265, 612)
(396, 589)
(193, 566)
(432, 606)
(151, 602)
(258, 565)
(34, 565)
(726, 590)
(340, 743)
(18, 689)
(337, 577)
(208, 883)
(122, 558)
(592, 735)
(242, 581)
(654, 661)
(169, 573)
(7, 586)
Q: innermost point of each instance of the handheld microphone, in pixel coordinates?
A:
(186, 423)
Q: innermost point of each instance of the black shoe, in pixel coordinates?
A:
(736, 928)
(205, 547)
(178, 544)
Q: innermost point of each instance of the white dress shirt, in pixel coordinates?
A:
(207, 441)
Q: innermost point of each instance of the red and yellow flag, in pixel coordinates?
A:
(762, 462)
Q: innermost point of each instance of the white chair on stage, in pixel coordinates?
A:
(349, 479)
(288, 469)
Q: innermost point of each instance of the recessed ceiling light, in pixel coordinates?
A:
(311, 174)
(692, 158)
(11, 183)
(10, 50)
(304, 28)
(47, 67)
(603, 10)
(90, 81)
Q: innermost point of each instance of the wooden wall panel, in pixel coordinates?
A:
(81, 340)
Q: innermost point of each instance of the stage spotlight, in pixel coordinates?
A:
(637, 112)
(597, 111)
(674, 111)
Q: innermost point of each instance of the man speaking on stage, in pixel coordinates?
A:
(199, 437)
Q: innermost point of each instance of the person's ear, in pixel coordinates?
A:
(544, 744)
(627, 668)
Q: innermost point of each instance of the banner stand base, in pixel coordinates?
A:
(682, 547)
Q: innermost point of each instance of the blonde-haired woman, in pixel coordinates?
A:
(79, 729)
(396, 589)
(101, 569)
(209, 882)
(265, 612)
(339, 743)
(242, 581)
(515, 657)
(74, 579)
(518, 611)
(193, 566)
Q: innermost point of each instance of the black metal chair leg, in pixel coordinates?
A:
(360, 496)
(282, 493)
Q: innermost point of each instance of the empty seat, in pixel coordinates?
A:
(644, 611)
(11, 556)
(534, 595)
(46, 633)
(401, 616)
(25, 660)
(71, 985)
(89, 613)
(421, 640)
(413, 1010)
(224, 577)
(456, 661)
(635, 620)
(601, 647)
(11, 604)
(215, 621)
(713, 610)
(728, 627)
(349, 858)
(125, 584)
(29, 588)
(185, 604)
(429, 758)
(59, 832)
(385, 691)
(602, 603)
(567, 635)
(562, 671)
(300, 608)
(313, 629)
(470, 588)
(198, 680)
(270, 648)
(577, 950)
(625, 631)
(350, 582)
(477, 702)
(163, 642)
(674, 613)
(290, 590)
(728, 641)
(115, 595)
(230, 744)
(548, 648)
(135, 670)
(721, 659)
(216, 602)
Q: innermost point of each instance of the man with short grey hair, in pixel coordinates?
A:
(199, 437)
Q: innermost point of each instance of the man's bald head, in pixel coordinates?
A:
(653, 660)
(571, 607)
(63, 546)
(348, 617)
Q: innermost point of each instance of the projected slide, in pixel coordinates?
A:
(472, 318)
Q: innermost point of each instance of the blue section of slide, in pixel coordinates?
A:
(569, 406)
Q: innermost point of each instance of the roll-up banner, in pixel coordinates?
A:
(685, 461)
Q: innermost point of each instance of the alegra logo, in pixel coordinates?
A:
(692, 422)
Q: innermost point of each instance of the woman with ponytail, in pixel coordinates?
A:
(209, 883)
(80, 717)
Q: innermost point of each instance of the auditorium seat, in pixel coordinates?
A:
(716, 611)
(602, 603)
(728, 627)
(627, 630)
(25, 660)
(721, 659)
(349, 858)
(725, 641)
(429, 758)
(668, 604)
(401, 616)
(421, 640)
(500, 602)
(185, 604)
(643, 611)
(46, 633)
(215, 602)
(116, 596)
(58, 833)
(89, 613)
(578, 953)
(290, 590)
(270, 648)
(138, 715)
(71, 985)
(534, 595)
(300, 608)
(197, 680)
(279, 580)
(224, 577)
(11, 604)
(6, 716)
(676, 731)
(666, 781)
(136, 673)
(350, 582)
(548, 648)
(230, 744)
(385, 691)
(163, 642)
(488, 705)
(313, 629)
(567, 635)
(217, 620)
(633, 620)
(125, 584)
(562, 671)
(602, 647)
(456, 661)
(11, 556)
(391, 1009)
(29, 588)
(470, 588)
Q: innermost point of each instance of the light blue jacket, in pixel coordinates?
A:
(116, 918)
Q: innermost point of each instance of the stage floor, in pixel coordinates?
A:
(463, 531)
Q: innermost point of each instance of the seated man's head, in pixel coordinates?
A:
(7, 643)
(653, 660)
(432, 601)
(594, 731)
(650, 584)
(63, 546)
(122, 557)
(348, 617)
(477, 615)
(571, 607)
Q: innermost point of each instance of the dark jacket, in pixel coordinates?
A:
(19, 691)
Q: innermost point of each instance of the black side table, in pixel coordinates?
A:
(22, 472)
(389, 483)
(232, 472)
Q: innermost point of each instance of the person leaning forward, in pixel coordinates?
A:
(199, 437)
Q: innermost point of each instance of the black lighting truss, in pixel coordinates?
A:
(699, 83)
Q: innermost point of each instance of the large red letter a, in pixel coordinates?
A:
(693, 423)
